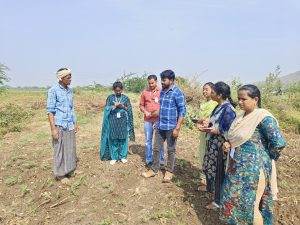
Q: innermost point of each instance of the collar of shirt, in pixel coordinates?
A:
(171, 89)
(154, 90)
(62, 87)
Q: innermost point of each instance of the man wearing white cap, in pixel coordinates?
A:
(63, 124)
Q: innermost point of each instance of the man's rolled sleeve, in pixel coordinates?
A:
(51, 100)
(74, 117)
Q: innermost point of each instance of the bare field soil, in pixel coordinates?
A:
(103, 194)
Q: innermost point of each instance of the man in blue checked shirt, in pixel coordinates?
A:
(171, 115)
(63, 124)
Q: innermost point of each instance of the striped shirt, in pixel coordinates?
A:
(172, 105)
(60, 103)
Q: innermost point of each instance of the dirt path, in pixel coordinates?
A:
(105, 194)
(99, 193)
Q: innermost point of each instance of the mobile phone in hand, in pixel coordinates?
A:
(194, 120)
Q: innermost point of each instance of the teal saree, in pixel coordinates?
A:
(117, 125)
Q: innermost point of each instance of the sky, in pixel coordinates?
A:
(100, 40)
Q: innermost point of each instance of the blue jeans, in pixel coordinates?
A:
(148, 130)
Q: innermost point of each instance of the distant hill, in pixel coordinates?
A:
(290, 78)
(286, 80)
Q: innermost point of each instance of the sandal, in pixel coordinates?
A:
(213, 206)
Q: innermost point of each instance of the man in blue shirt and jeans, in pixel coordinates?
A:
(171, 115)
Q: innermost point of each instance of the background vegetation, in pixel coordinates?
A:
(3, 76)
(282, 101)
(133, 82)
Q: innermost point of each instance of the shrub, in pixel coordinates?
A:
(192, 90)
(272, 85)
(286, 109)
(191, 112)
(13, 118)
(292, 88)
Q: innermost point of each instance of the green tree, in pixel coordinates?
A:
(3, 76)
(272, 84)
(133, 82)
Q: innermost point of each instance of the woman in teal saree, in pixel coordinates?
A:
(117, 126)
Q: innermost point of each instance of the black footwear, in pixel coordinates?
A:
(58, 178)
(71, 174)
(149, 164)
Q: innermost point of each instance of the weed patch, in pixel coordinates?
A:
(8, 164)
(45, 166)
(76, 184)
(24, 190)
(16, 158)
(30, 165)
(58, 195)
(11, 181)
(105, 222)
(49, 182)
(121, 203)
(179, 183)
(164, 214)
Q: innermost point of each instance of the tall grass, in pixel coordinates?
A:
(286, 108)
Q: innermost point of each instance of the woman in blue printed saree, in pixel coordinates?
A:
(216, 130)
(117, 126)
(250, 182)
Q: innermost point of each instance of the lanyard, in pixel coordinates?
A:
(152, 93)
(120, 99)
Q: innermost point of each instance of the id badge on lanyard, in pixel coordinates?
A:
(118, 115)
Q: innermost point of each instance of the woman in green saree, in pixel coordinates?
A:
(205, 110)
(117, 126)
